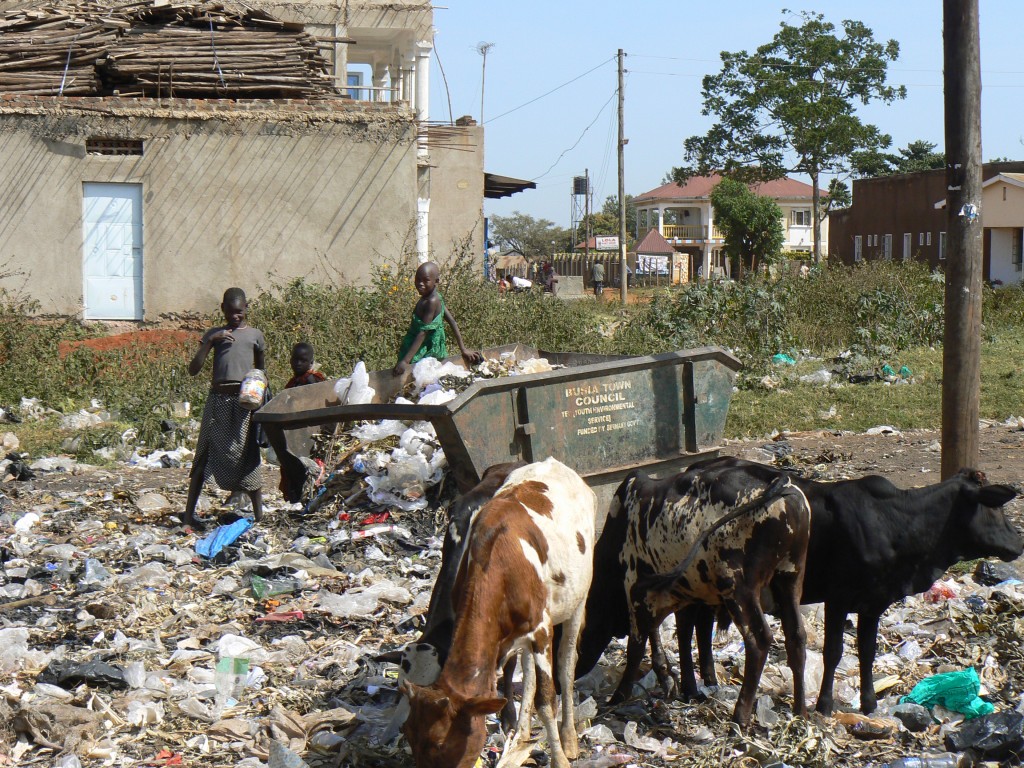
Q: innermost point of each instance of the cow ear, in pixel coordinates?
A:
(484, 705)
(995, 495)
(409, 690)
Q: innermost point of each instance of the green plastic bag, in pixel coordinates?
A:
(957, 691)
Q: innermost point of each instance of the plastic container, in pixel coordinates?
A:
(229, 680)
(262, 587)
(254, 387)
(938, 760)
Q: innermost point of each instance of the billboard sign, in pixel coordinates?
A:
(607, 242)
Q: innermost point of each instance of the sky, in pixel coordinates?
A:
(570, 46)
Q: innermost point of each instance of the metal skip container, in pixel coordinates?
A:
(602, 415)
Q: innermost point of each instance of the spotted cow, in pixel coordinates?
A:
(714, 537)
(526, 567)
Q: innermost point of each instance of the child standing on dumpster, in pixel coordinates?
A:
(227, 449)
(302, 367)
(426, 336)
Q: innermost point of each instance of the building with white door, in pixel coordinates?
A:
(136, 198)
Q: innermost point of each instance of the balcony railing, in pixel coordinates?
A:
(684, 231)
(690, 231)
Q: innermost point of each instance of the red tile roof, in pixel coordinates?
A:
(699, 187)
(653, 243)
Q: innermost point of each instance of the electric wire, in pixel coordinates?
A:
(576, 144)
(553, 90)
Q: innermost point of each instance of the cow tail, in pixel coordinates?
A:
(664, 582)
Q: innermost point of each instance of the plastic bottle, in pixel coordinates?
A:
(262, 587)
(254, 386)
(937, 760)
(229, 681)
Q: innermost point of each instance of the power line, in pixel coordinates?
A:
(781, 64)
(553, 90)
(576, 144)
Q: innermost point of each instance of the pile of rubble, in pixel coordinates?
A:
(126, 639)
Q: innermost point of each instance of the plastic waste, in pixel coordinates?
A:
(783, 359)
(606, 758)
(823, 376)
(263, 588)
(991, 737)
(765, 712)
(929, 761)
(356, 389)
(213, 544)
(253, 389)
(148, 575)
(94, 573)
(229, 681)
(905, 372)
(989, 573)
(26, 521)
(152, 502)
(957, 691)
(68, 674)
(599, 734)
(914, 717)
(282, 757)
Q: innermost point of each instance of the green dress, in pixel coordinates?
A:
(435, 343)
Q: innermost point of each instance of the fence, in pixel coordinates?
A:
(579, 264)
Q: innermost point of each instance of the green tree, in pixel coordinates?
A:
(790, 106)
(606, 221)
(534, 238)
(918, 155)
(751, 224)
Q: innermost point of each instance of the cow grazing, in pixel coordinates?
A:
(526, 567)
(420, 661)
(715, 537)
(872, 544)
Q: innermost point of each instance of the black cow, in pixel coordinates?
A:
(871, 545)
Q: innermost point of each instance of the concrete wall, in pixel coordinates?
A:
(456, 189)
(1002, 205)
(233, 193)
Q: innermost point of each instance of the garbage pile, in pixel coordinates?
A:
(126, 639)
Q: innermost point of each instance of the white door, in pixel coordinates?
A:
(112, 261)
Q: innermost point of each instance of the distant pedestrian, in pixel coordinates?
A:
(550, 278)
(426, 336)
(597, 276)
(227, 448)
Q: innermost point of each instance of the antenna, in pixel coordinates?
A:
(483, 49)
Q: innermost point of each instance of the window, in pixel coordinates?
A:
(908, 242)
(942, 246)
(927, 238)
(103, 146)
(1017, 249)
(858, 247)
(354, 78)
(800, 217)
(920, 238)
(887, 247)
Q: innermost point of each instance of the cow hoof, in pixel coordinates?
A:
(825, 706)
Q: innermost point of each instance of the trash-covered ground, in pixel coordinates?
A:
(121, 645)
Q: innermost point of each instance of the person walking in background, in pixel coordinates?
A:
(227, 448)
(597, 277)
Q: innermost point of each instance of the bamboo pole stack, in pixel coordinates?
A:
(159, 48)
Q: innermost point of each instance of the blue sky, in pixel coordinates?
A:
(670, 46)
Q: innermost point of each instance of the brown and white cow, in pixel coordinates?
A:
(715, 537)
(527, 567)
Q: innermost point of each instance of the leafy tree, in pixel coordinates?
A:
(918, 155)
(534, 238)
(838, 196)
(751, 224)
(789, 106)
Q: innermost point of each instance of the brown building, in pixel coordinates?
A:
(904, 217)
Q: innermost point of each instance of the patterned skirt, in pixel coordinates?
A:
(227, 449)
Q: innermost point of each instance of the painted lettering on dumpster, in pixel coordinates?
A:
(600, 407)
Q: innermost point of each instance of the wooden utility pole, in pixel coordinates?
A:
(961, 356)
(623, 273)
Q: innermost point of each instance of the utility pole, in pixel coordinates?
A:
(586, 218)
(961, 356)
(623, 272)
(483, 49)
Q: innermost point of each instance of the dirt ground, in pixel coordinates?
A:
(329, 666)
